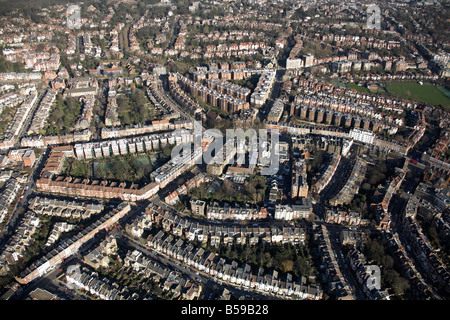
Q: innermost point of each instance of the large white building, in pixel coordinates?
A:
(263, 88)
(308, 60)
(364, 136)
(296, 211)
(123, 146)
(295, 63)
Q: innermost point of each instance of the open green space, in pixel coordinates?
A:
(409, 90)
(123, 169)
(6, 116)
(135, 108)
(63, 116)
(427, 93)
(359, 88)
(8, 66)
(131, 168)
(351, 85)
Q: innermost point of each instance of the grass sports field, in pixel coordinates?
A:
(358, 88)
(426, 93)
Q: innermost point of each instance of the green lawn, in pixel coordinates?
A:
(123, 168)
(359, 88)
(351, 85)
(426, 93)
(131, 168)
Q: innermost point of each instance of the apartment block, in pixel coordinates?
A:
(300, 186)
(276, 111)
(234, 212)
(198, 207)
(175, 167)
(295, 211)
(222, 158)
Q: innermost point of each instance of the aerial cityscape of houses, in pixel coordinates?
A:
(107, 190)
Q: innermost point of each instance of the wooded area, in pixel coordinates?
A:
(135, 108)
(64, 114)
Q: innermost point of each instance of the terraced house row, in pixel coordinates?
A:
(9, 193)
(336, 282)
(408, 269)
(17, 246)
(16, 125)
(234, 212)
(139, 129)
(100, 287)
(363, 101)
(142, 144)
(325, 178)
(351, 186)
(40, 141)
(218, 235)
(42, 112)
(92, 188)
(182, 98)
(231, 272)
(72, 245)
(64, 208)
(168, 279)
(426, 255)
(50, 181)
